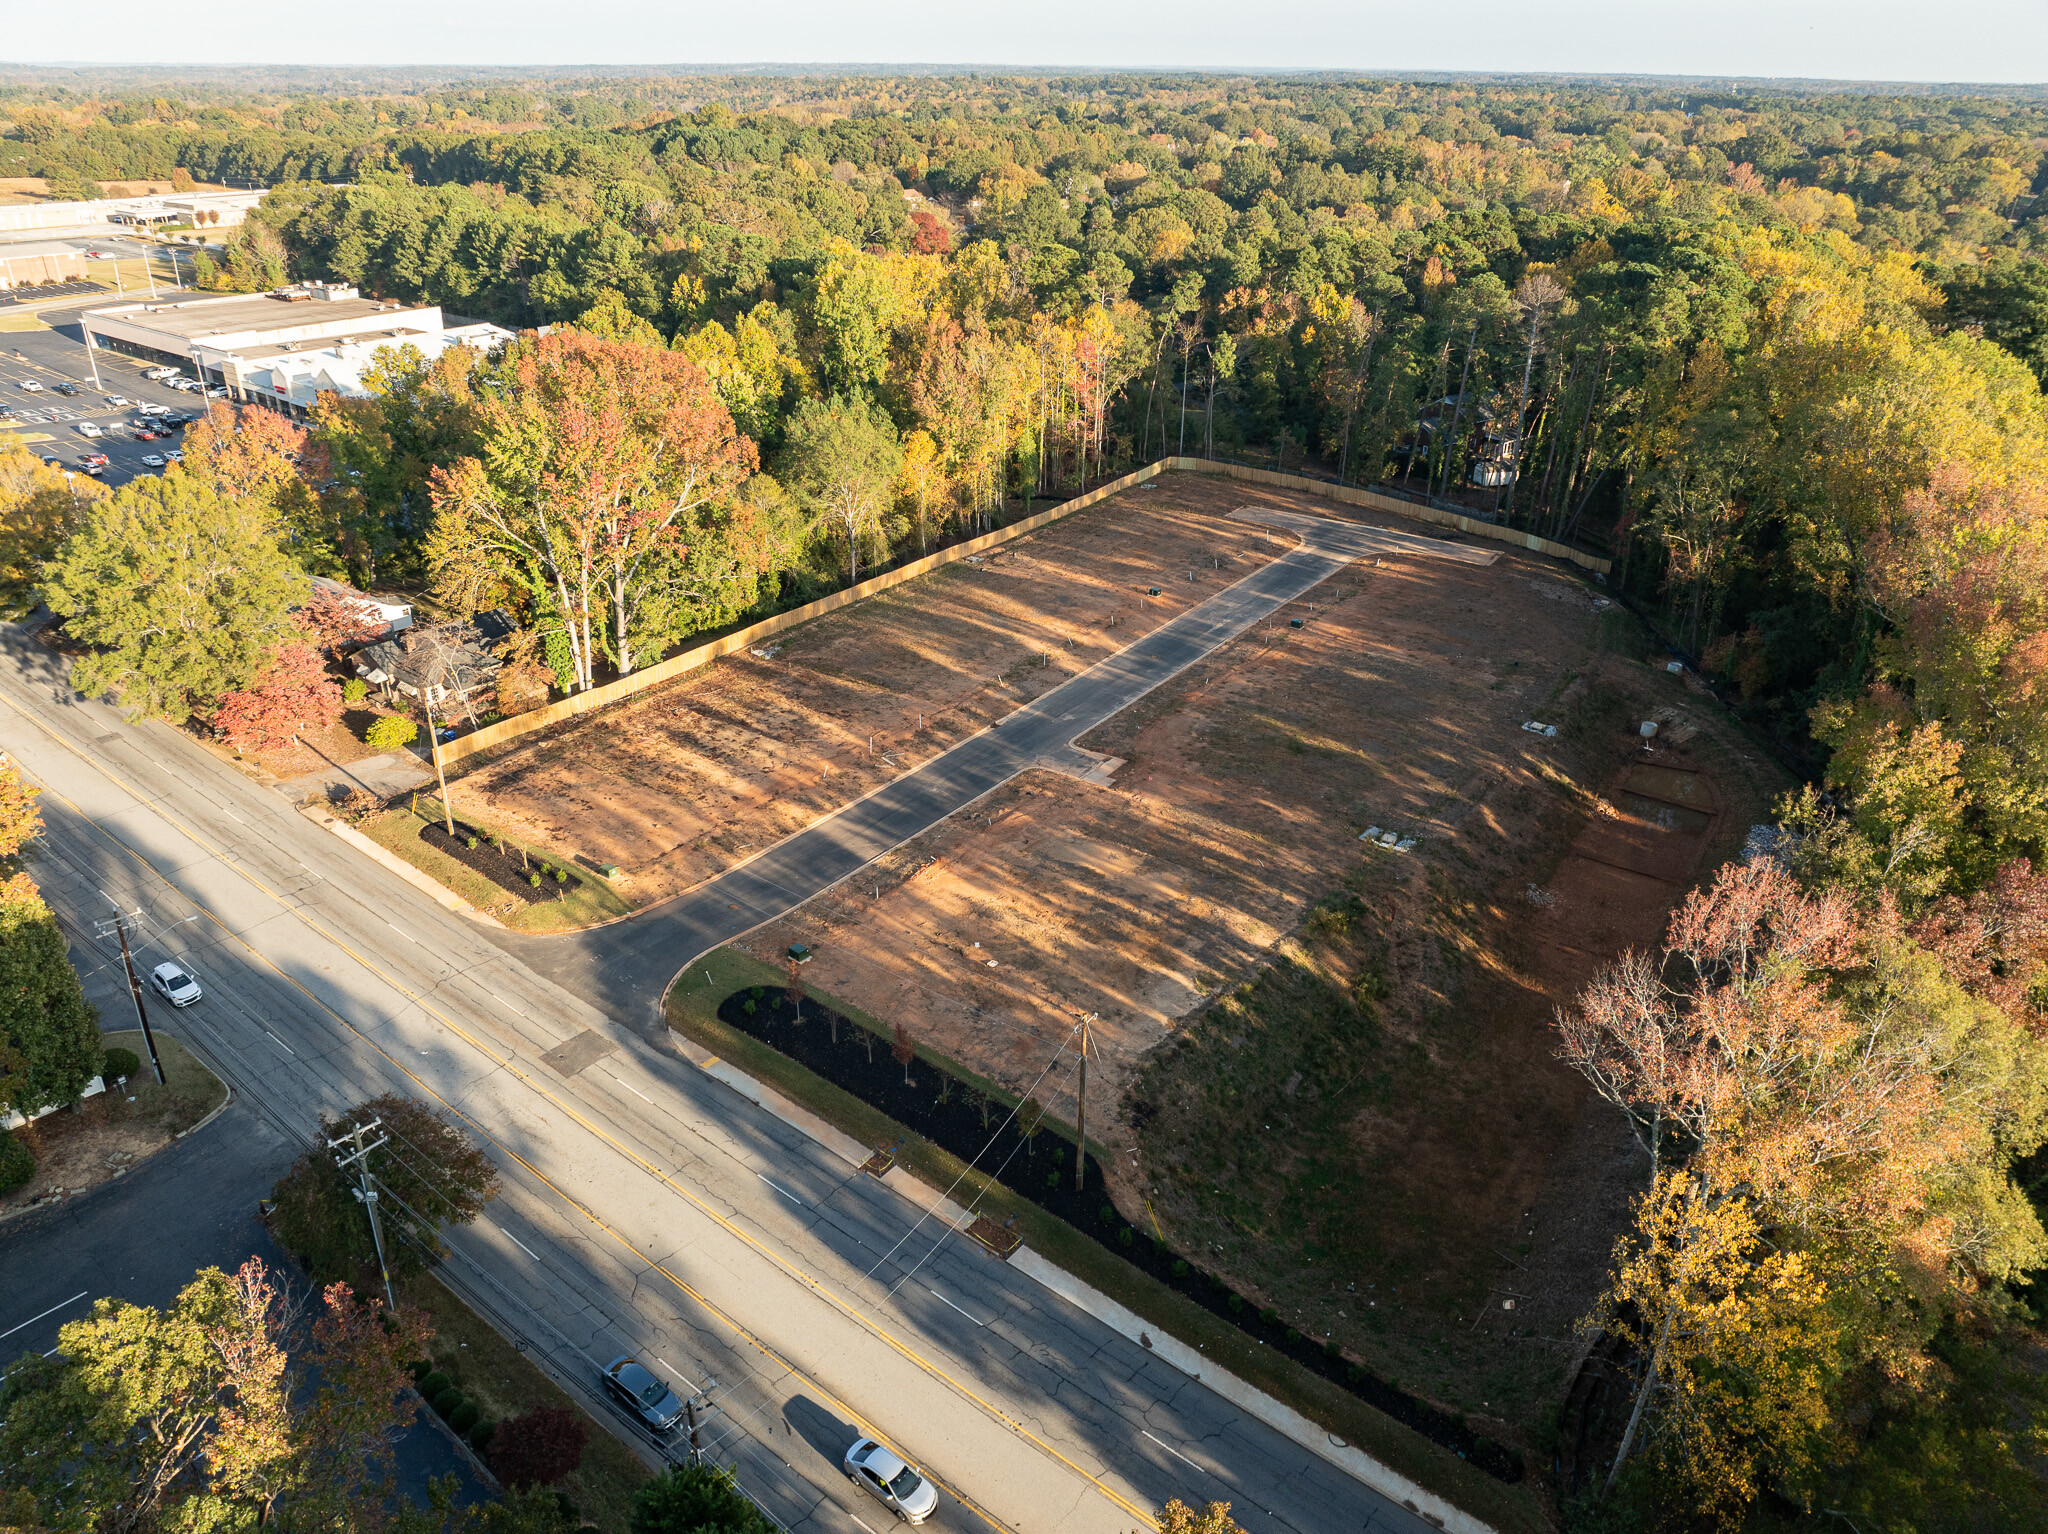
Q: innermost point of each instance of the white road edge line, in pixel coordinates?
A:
(676, 1372)
(280, 1043)
(944, 1301)
(856, 1520)
(518, 1243)
(633, 1089)
(1170, 1449)
(780, 1189)
(31, 1321)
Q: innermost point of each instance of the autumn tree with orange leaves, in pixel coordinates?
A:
(605, 492)
(1829, 1113)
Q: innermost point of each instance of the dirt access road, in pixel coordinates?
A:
(629, 965)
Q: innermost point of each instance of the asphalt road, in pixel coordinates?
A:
(196, 1202)
(646, 1207)
(627, 966)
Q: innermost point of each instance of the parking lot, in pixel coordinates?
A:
(47, 421)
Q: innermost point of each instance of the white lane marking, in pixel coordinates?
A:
(675, 1371)
(633, 1089)
(518, 1243)
(780, 1189)
(856, 1520)
(233, 816)
(944, 1301)
(280, 1043)
(31, 1321)
(1170, 1449)
(398, 929)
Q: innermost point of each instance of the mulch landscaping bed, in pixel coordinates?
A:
(980, 1129)
(500, 863)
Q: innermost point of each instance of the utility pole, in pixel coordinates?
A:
(434, 748)
(135, 991)
(366, 1195)
(1081, 1146)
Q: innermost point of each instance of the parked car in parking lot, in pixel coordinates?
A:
(158, 375)
(94, 460)
(216, 391)
(642, 1393)
(176, 455)
(151, 409)
(87, 429)
(30, 386)
(69, 391)
(175, 984)
(891, 1482)
(117, 401)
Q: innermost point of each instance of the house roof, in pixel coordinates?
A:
(456, 656)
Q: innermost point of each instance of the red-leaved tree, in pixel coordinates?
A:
(929, 235)
(294, 695)
(538, 1447)
(332, 621)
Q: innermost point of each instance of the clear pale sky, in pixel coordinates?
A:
(1946, 40)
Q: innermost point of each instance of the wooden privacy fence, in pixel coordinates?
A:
(492, 736)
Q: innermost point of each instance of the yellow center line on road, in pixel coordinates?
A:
(510, 1064)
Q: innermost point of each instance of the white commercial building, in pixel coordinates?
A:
(285, 348)
(212, 210)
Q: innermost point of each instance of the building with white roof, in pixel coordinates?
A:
(285, 348)
(217, 210)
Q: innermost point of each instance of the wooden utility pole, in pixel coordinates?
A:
(1081, 1139)
(366, 1194)
(434, 748)
(135, 991)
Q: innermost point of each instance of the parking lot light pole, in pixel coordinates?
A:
(135, 991)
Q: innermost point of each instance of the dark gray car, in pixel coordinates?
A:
(641, 1393)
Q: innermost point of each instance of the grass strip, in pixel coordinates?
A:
(504, 1382)
(589, 902)
(691, 1011)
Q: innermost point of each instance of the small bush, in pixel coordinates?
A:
(1052, 1178)
(750, 1006)
(1126, 1236)
(534, 880)
(434, 1384)
(1159, 1246)
(1293, 1336)
(1355, 1375)
(469, 842)
(1180, 1268)
(756, 992)
(119, 1063)
(354, 690)
(1237, 1303)
(17, 1162)
(1269, 1315)
(480, 1436)
(447, 1401)
(390, 732)
(538, 1447)
(1330, 1351)
(1106, 1215)
(464, 1417)
(561, 876)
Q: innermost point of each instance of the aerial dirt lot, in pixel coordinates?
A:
(687, 779)
(1325, 1068)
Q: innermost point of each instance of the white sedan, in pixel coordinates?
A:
(118, 401)
(29, 385)
(891, 1482)
(175, 984)
(152, 460)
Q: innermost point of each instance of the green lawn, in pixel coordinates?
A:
(588, 903)
(692, 1006)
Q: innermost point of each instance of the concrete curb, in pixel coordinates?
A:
(440, 893)
(1282, 1418)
